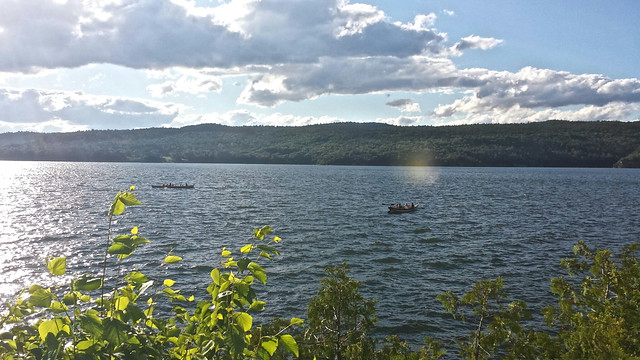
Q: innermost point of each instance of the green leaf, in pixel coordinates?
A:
(171, 259)
(91, 323)
(179, 298)
(270, 344)
(296, 322)
(215, 276)
(135, 313)
(168, 282)
(84, 345)
(269, 249)
(53, 326)
(257, 306)
(57, 307)
(225, 253)
(115, 331)
(246, 249)
(258, 272)
(40, 297)
(138, 240)
(122, 238)
(69, 299)
(57, 266)
(120, 249)
(117, 207)
(137, 278)
(129, 199)
(121, 303)
(87, 283)
(261, 233)
(290, 344)
(245, 321)
(242, 264)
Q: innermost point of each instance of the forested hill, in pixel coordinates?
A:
(551, 143)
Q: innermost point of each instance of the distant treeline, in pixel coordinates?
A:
(545, 144)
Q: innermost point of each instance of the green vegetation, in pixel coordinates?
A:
(597, 315)
(551, 143)
(91, 319)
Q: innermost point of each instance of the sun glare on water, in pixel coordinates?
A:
(12, 176)
(418, 169)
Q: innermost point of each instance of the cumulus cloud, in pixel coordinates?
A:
(65, 111)
(403, 120)
(405, 105)
(188, 81)
(542, 88)
(289, 50)
(353, 76)
(248, 118)
(534, 94)
(477, 42)
(474, 42)
(161, 34)
(231, 118)
(516, 114)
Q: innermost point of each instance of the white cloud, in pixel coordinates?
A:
(421, 22)
(353, 76)
(248, 118)
(542, 88)
(516, 114)
(188, 81)
(353, 19)
(403, 121)
(161, 33)
(231, 118)
(405, 105)
(291, 50)
(474, 42)
(64, 111)
(53, 125)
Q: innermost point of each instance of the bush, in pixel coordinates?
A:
(89, 320)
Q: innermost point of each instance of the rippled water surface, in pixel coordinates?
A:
(474, 223)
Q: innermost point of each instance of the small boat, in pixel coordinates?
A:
(400, 209)
(173, 186)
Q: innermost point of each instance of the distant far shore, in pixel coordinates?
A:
(546, 144)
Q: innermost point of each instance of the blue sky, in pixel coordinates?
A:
(69, 65)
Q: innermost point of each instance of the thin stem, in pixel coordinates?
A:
(104, 262)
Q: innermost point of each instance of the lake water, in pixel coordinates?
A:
(474, 223)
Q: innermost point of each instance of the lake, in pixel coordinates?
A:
(474, 223)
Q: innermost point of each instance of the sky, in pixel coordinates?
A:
(69, 65)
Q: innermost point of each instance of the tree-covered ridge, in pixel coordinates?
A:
(551, 143)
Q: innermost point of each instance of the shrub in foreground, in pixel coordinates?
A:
(91, 319)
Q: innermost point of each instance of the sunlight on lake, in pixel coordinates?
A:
(418, 169)
(10, 180)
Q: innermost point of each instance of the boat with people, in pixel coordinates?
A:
(400, 209)
(173, 186)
